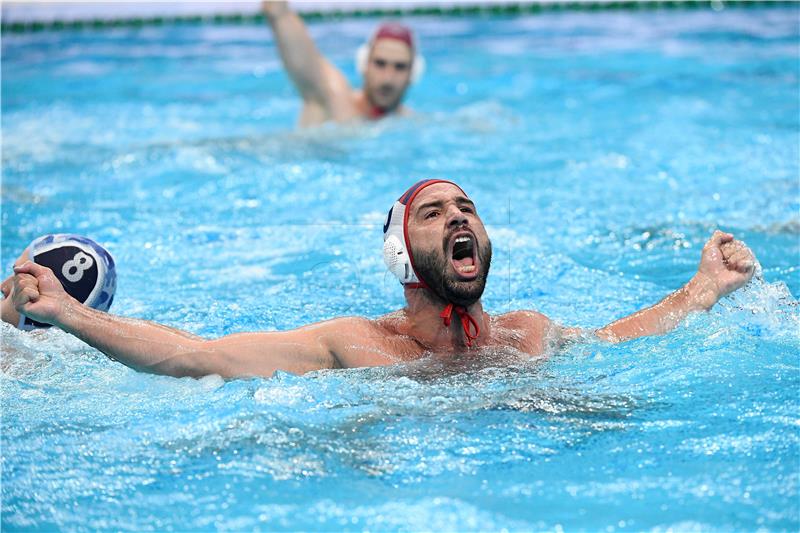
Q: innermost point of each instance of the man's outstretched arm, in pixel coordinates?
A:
(725, 265)
(315, 78)
(154, 348)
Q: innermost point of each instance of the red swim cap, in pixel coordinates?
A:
(394, 30)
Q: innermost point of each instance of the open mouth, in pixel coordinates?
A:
(462, 255)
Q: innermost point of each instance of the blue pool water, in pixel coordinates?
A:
(601, 149)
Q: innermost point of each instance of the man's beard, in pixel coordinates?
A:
(386, 107)
(432, 268)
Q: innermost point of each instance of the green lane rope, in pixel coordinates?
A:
(489, 10)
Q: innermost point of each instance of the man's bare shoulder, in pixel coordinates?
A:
(357, 341)
(523, 318)
(346, 325)
(334, 102)
(383, 327)
(529, 331)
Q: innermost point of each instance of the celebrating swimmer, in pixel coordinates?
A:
(389, 63)
(84, 268)
(436, 245)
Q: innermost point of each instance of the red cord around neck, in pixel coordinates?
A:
(375, 113)
(466, 321)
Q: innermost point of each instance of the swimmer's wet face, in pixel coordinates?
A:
(452, 252)
(388, 73)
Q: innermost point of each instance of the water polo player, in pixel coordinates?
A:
(437, 247)
(389, 62)
(84, 268)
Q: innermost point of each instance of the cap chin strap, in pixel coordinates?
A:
(375, 112)
(466, 321)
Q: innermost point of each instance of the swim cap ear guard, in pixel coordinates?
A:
(395, 254)
(85, 269)
(362, 54)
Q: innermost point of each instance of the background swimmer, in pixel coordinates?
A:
(388, 63)
(84, 268)
(436, 245)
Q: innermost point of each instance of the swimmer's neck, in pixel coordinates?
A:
(424, 323)
(370, 112)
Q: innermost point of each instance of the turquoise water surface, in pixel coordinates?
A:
(602, 149)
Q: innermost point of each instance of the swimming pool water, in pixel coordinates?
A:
(601, 149)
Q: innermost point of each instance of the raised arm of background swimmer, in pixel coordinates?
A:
(151, 347)
(725, 265)
(316, 79)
